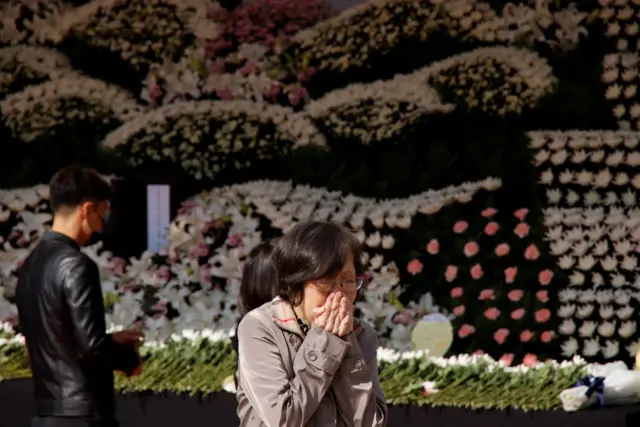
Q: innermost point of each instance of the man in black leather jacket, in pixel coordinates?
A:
(61, 311)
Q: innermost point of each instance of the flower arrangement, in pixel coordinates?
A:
(597, 250)
(199, 361)
(496, 80)
(22, 66)
(588, 168)
(162, 29)
(378, 111)
(21, 20)
(39, 109)
(620, 74)
(203, 136)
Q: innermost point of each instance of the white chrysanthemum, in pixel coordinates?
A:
(196, 135)
(620, 74)
(21, 66)
(498, 80)
(382, 110)
(141, 32)
(39, 108)
(21, 20)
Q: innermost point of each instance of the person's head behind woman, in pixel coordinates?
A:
(259, 278)
(315, 258)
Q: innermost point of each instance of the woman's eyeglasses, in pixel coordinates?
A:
(327, 285)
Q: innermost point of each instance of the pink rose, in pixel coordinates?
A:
(530, 359)
(476, 272)
(510, 274)
(491, 228)
(414, 267)
(543, 296)
(460, 227)
(487, 294)
(457, 292)
(492, 313)
(543, 315)
(501, 335)
(515, 295)
(531, 253)
(502, 249)
(433, 247)
(506, 359)
(526, 335)
(545, 277)
(471, 249)
(546, 336)
(517, 314)
(451, 273)
(521, 213)
(459, 310)
(488, 212)
(466, 330)
(521, 230)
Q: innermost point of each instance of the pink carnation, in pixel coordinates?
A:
(451, 273)
(471, 249)
(433, 247)
(477, 272)
(414, 267)
(460, 227)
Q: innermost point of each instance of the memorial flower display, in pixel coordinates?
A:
(483, 153)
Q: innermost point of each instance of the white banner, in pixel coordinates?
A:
(158, 216)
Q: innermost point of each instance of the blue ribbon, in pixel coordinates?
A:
(595, 385)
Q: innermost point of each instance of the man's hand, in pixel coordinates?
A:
(132, 337)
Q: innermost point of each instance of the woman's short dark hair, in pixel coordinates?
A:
(74, 185)
(313, 250)
(259, 279)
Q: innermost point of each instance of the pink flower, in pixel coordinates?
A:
(163, 272)
(510, 274)
(546, 336)
(460, 227)
(543, 296)
(526, 335)
(521, 230)
(117, 266)
(501, 335)
(506, 359)
(476, 272)
(205, 274)
(487, 294)
(405, 317)
(414, 267)
(531, 253)
(517, 314)
(543, 315)
(492, 313)
(471, 249)
(545, 277)
(451, 273)
(224, 94)
(234, 240)
(200, 250)
(502, 249)
(530, 359)
(515, 295)
(459, 310)
(457, 292)
(521, 213)
(491, 228)
(478, 352)
(488, 212)
(433, 247)
(159, 309)
(466, 330)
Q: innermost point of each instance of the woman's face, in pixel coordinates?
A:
(316, 292)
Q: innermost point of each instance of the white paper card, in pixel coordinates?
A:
(158, 216)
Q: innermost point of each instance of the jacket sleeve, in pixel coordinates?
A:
(356, 386)
(278, 399)
(81, 283)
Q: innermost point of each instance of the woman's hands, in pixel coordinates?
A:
(336, 315)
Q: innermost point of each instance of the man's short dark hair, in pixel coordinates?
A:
(313, 250)
(74, 185)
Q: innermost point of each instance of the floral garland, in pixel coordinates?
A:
(382, 110)
(163, 28)
(598, 248)
(496, 80)
(181, 132)
(588, 168)
(202, 362)
(37, 109)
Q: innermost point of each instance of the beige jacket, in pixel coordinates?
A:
(288, 380)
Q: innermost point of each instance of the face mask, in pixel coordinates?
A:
(96, 236)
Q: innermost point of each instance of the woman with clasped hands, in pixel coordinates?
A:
(303, 359)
